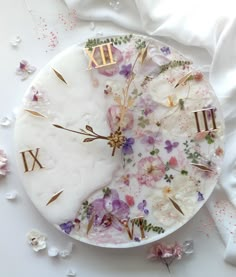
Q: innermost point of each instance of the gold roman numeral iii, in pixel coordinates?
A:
(34, 158)
(205, 120)
(100, 56)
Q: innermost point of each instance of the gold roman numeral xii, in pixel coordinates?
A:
(34, 159)
(100, 56)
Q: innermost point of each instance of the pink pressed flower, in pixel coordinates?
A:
(113, 117)
(109, 70)
(173, 162)
(150, 171)
(198, 76)
(165, 253)
(219, 151)
(200, 136)
(3, 163)
(129, 200)
(25, 69)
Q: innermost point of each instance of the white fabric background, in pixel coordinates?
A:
(17, 218)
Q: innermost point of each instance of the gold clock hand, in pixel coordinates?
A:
(115, 139)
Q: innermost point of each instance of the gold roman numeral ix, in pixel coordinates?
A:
(130, 231)
(205, 120)
(34, 158)
(103, 58)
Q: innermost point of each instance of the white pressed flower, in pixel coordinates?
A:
(37, 240)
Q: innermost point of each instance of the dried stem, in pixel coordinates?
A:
(124, 106)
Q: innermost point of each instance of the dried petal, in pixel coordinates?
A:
(53, 252)
(70, 272)
(66, 252)
(188, 247)
(5, 121)
(11, 195)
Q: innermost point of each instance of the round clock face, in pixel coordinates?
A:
(119, 141)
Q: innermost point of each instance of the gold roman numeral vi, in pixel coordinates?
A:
(205, 120)
(34, 159)
(100, 56)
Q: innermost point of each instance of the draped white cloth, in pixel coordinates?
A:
(203, 25)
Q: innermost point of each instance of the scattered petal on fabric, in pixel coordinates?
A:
(11, 195)
(25, 69)
(70, 273)
(53, 252)
(37, 240)
(3, 163)
(5, 121)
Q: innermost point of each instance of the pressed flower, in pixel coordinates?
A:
(168, 253)
(129, 200)
(37, 240)
(151, 138)
(113, 118)
(165, 50)
(67, 227)
(219, 151)
(147, 105)
(127, 146)
(170, 146)
(150, 171)
(142, 207)
(173, 162)
(109, 210)
(126, 70)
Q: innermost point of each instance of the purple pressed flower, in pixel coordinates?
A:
(126, 70)
(127, 146)
(142, 207)
(200, 196)
(208, 112)
(165, 50)
(147, 105)
(169, 145)
(67, 227)
(151, 138)
(110, 210)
